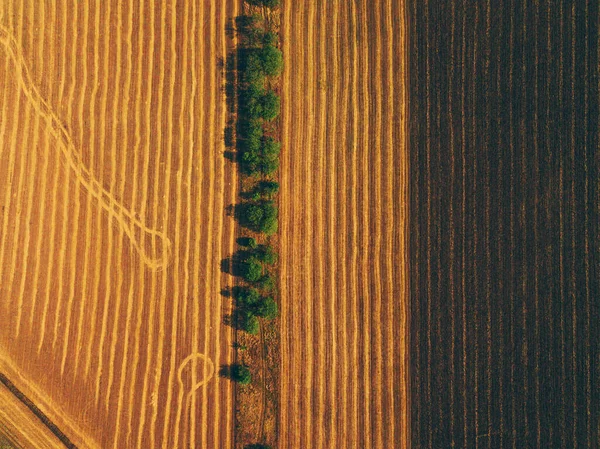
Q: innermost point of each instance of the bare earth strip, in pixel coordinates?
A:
(114, 187)
(343, 219)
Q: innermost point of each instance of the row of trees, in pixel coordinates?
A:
(260, 62)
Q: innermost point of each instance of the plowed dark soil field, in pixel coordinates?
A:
(504, 224)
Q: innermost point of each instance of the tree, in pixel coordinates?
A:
(241, 374)
(270, 38)
(267, 167)
(270, 148)
(253, 270)
(266, 282)
(266, 308)
(248, 242)
(260, 216)
(269, 105)
(268, 188)
(253, 72)
(271, 60)
(247, 297)
(265, 254)
(249, 323)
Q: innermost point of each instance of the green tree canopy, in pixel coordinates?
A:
(269, 106)
(253, 270)
(249, 323)
(241, 374)
(266, 308)
(271, 60)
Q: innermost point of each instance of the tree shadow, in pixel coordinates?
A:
(225, 371)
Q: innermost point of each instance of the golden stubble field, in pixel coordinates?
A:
(343, 228)
(113, 190)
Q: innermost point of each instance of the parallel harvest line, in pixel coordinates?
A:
(587, 211)
(44, 181)
(199, 167)
(391, 288)
(110, 247)
(66, 189)
(463, 152)
(197, 136)
(501, 248)
(573, 201)
(12, 192)
(353, 293)
(209, 121)
(17, 248)
(219, 89)
(523, 221)
(561, 244)
(149, 81)
(75, 233)
(167, 192)
(52, 236)
(312, 437)
(452, 261)
(363, 188)
(187, 183)
(138, 174)
(133, 281)
(36, 254)
(117, 106)
(24, 250)
(427, 176)
(487, 239)
(475, 237)
(375, 297)
(217, 195)
(536, 172)
(8, 196)
(178, 178)
(320, 298)
(95, 287)
(512, 219)
(285, 287)
(330, 172)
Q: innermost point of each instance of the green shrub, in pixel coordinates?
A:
(265, 254)
(266, 282)
(249, 242)
(270, 148)
(253, 270)
(271, 60)
(268, 167)
(247, 297)
(269, 105)
(268, 188)
(260, 216)
(270, 38)
(249, 323)
(266, 308)
(240, 374)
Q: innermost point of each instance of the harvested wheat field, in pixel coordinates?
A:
(343, 220)
(113, 190)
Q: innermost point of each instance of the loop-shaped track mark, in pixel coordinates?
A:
(124, 218)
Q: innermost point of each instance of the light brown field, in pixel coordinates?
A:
(113, 189)
(343, 226)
